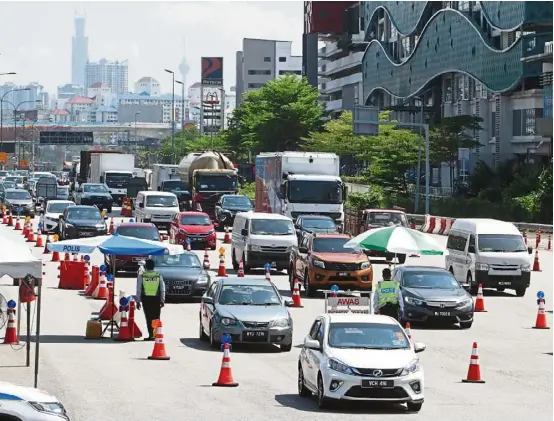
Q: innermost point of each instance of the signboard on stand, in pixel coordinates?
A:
(3, 158)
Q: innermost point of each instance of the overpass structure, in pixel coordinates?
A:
(145, 130)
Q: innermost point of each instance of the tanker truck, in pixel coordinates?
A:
(209, 176)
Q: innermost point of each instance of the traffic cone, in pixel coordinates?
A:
(241, 269)
(225, 373)
(39, 242)
(541, 317)
(536, 264)
(474, 371)
(94, 281)
(30, 234)
(525, 237)
(158, 353)
(5, 219)
(25, 229)
(11, 332)
(55, 257)
(188, 246)
(296, 299)
(537, 239)
(480, 301)
(268, 274)
(46, 251)
(408, 331)
(10, 220)
(17, 224)
(221, 271)
(111, 227)
(227, 237)
(124, 333)
(206, 263)
(75, 258)
(109, 309)
(101, 292)
(135, 330)
(66, 257)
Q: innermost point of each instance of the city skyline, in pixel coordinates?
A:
(47, 59)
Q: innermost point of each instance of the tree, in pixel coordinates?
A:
(276, 117)
(186, 141)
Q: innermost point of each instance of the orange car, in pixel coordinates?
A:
(321, 261)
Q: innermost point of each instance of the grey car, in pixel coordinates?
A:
(251, 310)
(19, 202)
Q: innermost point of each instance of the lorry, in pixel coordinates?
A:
(209, 175)
(114, 170)
(46, 188)
(163, 172)
(300, 183)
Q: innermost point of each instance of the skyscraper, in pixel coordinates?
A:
(79, 53)
(115, 74)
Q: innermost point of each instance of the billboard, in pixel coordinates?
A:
(212, 71)
(66, 138)
(143, 113)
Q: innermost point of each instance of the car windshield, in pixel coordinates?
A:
(9, 184)
(319, 224)
(311, 191)
(237, 202)
(95, 188)
(57, 207)
(271, 227)
(84, 213)
(162, 201)
(216, 182)
(114, 179)
(242, 295)
(387, 219)
(142, 232)
(18, 180)
(3, 173)
(333, 245)
(169, 185)
(367, 335)
(18, 195)
(195, 220)
(430, 280)
(62, 190)
(184, 260)
(501, 243)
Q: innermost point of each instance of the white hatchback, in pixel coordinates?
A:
(360, 357)
(29, 404)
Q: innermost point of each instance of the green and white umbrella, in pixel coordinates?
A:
(397, 240)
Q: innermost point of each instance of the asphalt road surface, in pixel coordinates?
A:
(104, 380)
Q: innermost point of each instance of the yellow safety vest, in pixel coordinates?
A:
(150, 283)
(387, 293)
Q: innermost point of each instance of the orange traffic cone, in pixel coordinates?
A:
(241, 269)
(474, 371)
(5, 219)
(30, 234)
(46, 251)
(66, 257)
(296, 299)
(158, 353)
(10, 220)
(55, 257)
(17, 224)
(225, 373)
(111, 227)
(11, 332)
(25, 229)
(94, 281)
(87, 275)
(39, 242)
(541, 317)
(188, 246)
(227, 237)
(408, 331)
(109, 309)
(268, 274)
(221, 271)
(480, 301)
(536, 263)
(124, 333)
(101, 292)
(206, 263)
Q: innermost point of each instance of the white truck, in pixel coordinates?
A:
(299, 183)
(163, 172)
(113, 169)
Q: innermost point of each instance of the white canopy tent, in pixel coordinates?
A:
(17, 261)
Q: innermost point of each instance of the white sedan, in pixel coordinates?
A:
(360, 357)
(29, 404)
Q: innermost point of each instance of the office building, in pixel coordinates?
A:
(113, 73)
(22, 97)
(150, 108)
(147, 85)
(262, 60)
(79, 52)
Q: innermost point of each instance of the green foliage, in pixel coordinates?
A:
(276, 117)
(187, 141)
(372, 199)
(249, 190)
(452, 133)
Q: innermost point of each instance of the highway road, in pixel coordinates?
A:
(103, 380)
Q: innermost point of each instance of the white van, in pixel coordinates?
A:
(261, 238)
(488, 252)
(156, 207)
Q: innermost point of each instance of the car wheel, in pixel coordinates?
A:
(322, 400)
(201, 334)
(414, 406)
(286, 348)
(245, 264)
(109, 209)
(466, 325)
(472, 287)
(291, 279)
(302, 389)
(234, 261)
(520, 292)
(311, 291)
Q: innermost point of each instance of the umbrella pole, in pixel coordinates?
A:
(114, 270)
(37, 339)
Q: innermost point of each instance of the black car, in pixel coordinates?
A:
(228, 206)
(82, 221)
(94, 194)
(433, 294)
(315, 224)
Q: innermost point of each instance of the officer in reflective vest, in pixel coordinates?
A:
(150, 295)
(387, 296)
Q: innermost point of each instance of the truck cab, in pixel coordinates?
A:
(117, 182)
(209, 185)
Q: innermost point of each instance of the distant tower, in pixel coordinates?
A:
(79, 52)
(184, 67)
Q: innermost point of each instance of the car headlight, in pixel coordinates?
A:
(211, 232)
(411, 368)
(319, 264)
(202, 280)
(100, 226)
(279, 323)
(364, 265)
(481, 266)
(525, 267)
(50, 408)
(147, 216)
(465, 303)
(253, 247)
(226, 321)
(69, 225)
(339, 366)
(414, 301)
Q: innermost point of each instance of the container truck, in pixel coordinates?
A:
(299, 183)
(114, 170)
(209, 175)
(163, 172)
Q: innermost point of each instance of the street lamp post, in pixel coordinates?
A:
(172, 114)
(136, 136)
(15, 109)
(2, 111)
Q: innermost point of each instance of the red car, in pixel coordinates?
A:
(136, 230)
(194, 225)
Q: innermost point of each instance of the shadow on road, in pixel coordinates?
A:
(494, 293)
(198, 345)
(71, 339)
(546, 353)
(434, 326)
(347, 407)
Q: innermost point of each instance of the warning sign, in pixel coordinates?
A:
(347, 302)
(3, 158)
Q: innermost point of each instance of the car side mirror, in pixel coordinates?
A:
(419, 347)
(141, 205)
(207, 300)
(288, 302)
(311, 344)
(244, 232)
(467, 287)
(530, 250)
(303, 250)
(471, 249)
(41, 212)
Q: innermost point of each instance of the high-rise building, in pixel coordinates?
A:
(24, 97)
(79, 53)
(262, 60)
(115, 74)
(147, 85)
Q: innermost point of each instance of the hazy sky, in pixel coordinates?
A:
(35, 37)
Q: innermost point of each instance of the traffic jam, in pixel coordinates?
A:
(376, 278)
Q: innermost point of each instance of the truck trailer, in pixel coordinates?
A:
(114, 170)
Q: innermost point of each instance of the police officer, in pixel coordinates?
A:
(150, 295)
(387, 298)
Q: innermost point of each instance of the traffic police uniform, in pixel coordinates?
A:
(387, 292)
(151, 293)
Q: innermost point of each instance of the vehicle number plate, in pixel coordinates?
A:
(179, 287)
(273, 264)
(255, 336)
(442, 313)
(86, 234)
(137, 259)
(505, 283)
(377, 383)
(343, 274)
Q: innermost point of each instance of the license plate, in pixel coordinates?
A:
(377, 383)
(86, 234)
(137, 259)
(343, 274)
(255, 336)
(179, 287)
(443, 313)
(505, 283)
(194, 238)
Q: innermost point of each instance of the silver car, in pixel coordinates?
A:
(250, 310)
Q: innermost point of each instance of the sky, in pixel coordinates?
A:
(35, 37)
